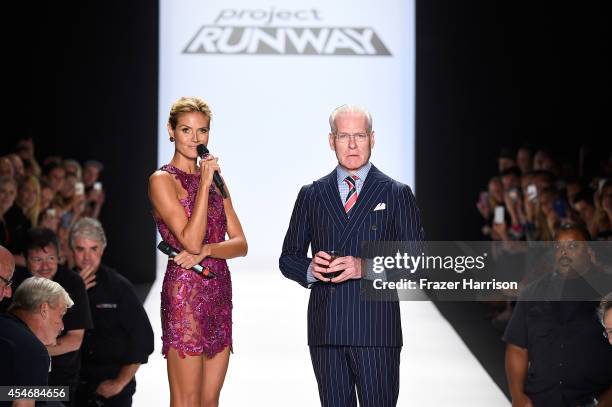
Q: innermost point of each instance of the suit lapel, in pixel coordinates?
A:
(372, 190)
(331, 201)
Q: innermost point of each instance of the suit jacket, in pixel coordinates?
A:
(336, 313)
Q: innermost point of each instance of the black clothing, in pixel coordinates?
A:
(16, 226)
(570, 361)
(65, 368)
(25, 360)
(122, 333)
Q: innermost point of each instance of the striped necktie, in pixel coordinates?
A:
(351, 198)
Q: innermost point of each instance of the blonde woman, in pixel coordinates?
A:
(193, 217)
(28, 198)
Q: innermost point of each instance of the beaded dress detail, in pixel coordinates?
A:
(196, 313)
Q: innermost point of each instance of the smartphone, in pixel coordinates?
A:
(532, 192)
(79, 188)
(499, 216)
(97, 186)
(560, 208)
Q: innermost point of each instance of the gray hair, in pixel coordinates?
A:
(88, 228)
(349, 109)
(35, 291)
(604, 306)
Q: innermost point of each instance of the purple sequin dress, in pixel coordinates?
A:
(196, 313)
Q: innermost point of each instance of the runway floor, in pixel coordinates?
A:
(271, 364)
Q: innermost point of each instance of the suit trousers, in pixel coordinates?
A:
(372, 371)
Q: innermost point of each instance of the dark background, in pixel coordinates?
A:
(503, 73)
(84, 85)
(82, 80)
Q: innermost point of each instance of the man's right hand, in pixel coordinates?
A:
(89, 276)
(522, 401)
(320, 263)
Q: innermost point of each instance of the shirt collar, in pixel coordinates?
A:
(362, 172)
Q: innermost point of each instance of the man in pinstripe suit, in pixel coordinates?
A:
(354, 344)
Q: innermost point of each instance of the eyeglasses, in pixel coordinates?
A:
(345, 137)
(7, 283)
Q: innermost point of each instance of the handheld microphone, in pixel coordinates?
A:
(202, 150)
(165, 248)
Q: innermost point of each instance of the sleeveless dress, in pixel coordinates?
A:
(196, 313)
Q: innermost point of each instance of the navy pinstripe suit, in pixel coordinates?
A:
(341, 326)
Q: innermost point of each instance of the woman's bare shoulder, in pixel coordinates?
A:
(160, 177)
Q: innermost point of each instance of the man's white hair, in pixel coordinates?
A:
(35, 291)
(350, 109)
(88, 228)
(605, 306)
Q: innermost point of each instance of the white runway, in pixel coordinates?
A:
(271, 364)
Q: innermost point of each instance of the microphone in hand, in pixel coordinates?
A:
(165, 248)
(202, 151)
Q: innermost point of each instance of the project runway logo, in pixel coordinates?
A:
(270, 32)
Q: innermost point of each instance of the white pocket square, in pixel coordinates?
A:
(380, 207)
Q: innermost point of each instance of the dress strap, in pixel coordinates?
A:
(178, 174)
(169, 168)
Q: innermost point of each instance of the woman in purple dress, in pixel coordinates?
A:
(193, 217)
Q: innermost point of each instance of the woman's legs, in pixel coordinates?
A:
(214, 370)
(185, 378)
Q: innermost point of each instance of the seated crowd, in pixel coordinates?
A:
(66, 319)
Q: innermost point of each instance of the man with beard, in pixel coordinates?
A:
(555, 353)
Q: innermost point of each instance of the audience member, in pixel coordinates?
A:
(524, 159)
(28, 199)
(6, 168)
(54, 174)
(122, 339)
(605, 315)
(602, 222)
(17, 166)
(47, 195)
(42, 248)
(506, 159)
(555, 355)
(25, 150)
(73, 167)
(13, 223)
(34, 321)
(7, 268)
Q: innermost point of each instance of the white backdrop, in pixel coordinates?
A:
(270, 111)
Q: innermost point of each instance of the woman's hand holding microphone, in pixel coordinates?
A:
(208, 165)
